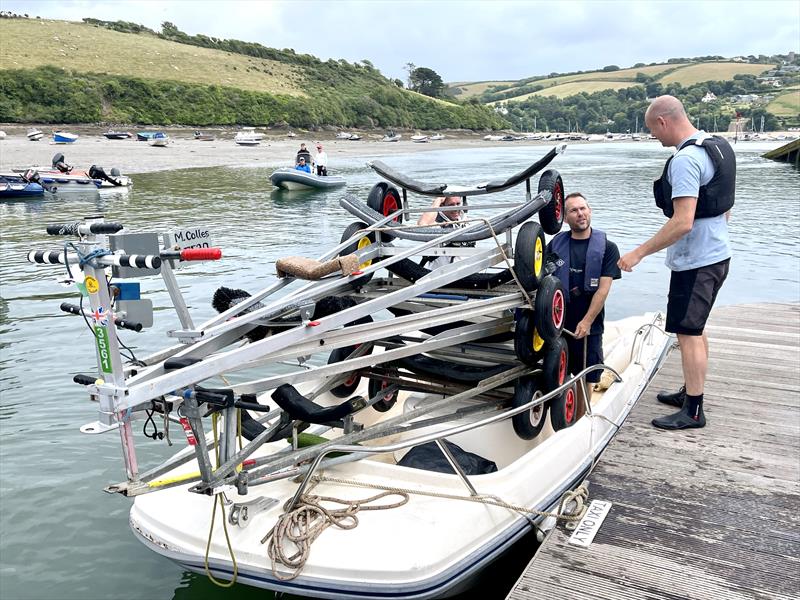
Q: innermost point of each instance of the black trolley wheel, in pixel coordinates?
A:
(385, 199)
(528, 344)
(529, 255)
(551, 216)
(385, 403)
(528, 424)
(555, 364)
(349, 232)
(564, 409)
(348, 387)
(550, 307)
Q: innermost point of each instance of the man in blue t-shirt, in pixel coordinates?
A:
(302, 166)
(586, 264)
(696, 192)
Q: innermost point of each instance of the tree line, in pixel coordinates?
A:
(53, 95)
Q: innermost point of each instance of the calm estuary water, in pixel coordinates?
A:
(62, 536)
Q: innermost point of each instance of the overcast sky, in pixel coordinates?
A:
(468, 40)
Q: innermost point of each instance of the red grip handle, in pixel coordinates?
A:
(201, 254)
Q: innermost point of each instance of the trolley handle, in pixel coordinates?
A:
(83, 228)
(188, 254)
(74, 309)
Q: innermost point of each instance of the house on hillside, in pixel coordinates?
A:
(709, 97)
(745, 98)
(739, 59)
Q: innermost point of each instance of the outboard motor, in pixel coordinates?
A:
(96, 172)
(60, 165)
(31, 176)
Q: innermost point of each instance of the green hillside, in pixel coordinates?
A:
(67, 72)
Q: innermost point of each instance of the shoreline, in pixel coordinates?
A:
(184, 152)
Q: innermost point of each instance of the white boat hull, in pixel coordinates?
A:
(421, 549)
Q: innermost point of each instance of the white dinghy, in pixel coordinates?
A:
(430, 410)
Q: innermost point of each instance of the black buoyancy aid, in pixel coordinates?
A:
(594, 259)
(717, 196)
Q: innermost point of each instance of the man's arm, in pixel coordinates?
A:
(429, 218)
(678, 226)
(595, 306)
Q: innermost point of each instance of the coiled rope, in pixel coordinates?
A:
(289, 541)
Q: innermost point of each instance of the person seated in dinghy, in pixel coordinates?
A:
(304, 154)
(302, 166)
(447, 218)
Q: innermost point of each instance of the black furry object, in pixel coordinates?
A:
(226, 297)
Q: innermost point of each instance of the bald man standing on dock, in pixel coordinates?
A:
(696, 192)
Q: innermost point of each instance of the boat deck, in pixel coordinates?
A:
(705, 513)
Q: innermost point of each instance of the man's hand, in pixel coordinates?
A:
(582, 328)
(629, 260)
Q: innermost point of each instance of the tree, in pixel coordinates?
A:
(426, 81)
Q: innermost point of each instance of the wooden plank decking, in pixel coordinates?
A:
(701, 514)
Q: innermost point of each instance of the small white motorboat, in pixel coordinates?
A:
(419, 138)
(2, 134)
(293, 179)
(35, 135)
(64, 137)
(436, 137)
(248, 136)
(342, 135)
(354, 137)
(391, 136)
(291, 134)
(159, 140)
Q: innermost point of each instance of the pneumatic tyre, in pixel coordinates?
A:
(528, 344)
(555, 364)
(385, 199)
(529, 255)
(349, 232)
(564, 409)
(385, 403)
(528, 424)
(550, 306)
(552, 215)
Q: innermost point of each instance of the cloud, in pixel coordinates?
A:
(471, 39)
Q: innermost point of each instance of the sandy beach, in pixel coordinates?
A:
(183, 152)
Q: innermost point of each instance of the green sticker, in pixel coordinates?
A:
(103, 348)
(82, 288)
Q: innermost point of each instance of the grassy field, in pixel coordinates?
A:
(786, 105)
(684, 73)
(475, 88)
(576, 87)
(29, 43)
(573, 87)
(696, 73)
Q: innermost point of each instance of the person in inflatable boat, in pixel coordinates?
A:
(586, 263)
(302, 166)
(695, 192)
(447, 218)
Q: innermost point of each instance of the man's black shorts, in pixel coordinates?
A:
(594, 355)
(691, 296)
